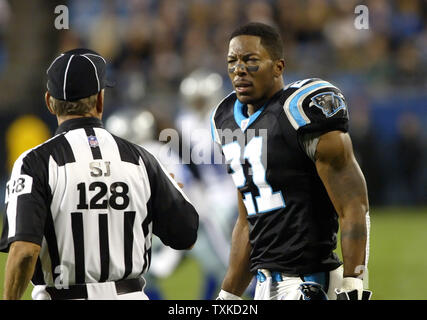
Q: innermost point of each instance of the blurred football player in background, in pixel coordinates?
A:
(216, 204)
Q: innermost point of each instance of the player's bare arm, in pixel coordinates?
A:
(346, 186)
(238, 275)
(20, 266)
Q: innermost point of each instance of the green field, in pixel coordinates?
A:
(397, 265)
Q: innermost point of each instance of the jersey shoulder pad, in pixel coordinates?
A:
(222, 111)
(316, 105)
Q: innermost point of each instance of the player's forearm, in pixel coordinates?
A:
(353, 239)
(352, 206)
(350, 200)
(237, 279)
(238, 275)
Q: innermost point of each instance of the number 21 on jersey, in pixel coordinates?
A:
(267, 199)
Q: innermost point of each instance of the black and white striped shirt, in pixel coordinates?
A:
(92, 200)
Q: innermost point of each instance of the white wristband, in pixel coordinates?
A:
(224, 295)
(350, 283)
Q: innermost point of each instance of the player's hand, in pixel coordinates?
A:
(352, 289)
(179, 183)
(224, 295)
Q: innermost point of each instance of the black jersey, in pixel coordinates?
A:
(292, 221)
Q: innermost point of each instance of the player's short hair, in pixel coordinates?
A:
(79, 107)
(270, 37)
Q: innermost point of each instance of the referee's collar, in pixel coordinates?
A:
(79, 123)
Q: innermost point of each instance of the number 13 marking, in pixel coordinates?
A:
(267, 199)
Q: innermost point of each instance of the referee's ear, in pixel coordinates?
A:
(100, 102)
(48, 105)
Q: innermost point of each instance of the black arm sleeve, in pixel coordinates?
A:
(175, 220)
(26, 203)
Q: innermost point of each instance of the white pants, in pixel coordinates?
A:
(95, 291)
(287, 288)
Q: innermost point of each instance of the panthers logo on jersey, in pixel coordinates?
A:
(329, 102)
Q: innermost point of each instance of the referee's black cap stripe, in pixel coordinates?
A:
(79, 250)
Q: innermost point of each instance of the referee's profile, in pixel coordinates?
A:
(81, 208)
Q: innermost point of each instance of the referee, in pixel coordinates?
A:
(81, 208)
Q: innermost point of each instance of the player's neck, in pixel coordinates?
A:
(254, 107)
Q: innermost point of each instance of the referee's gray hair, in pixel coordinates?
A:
(78, 107)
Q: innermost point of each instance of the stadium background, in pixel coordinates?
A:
(153, 45)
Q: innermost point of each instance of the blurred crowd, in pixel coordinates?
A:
(168, 39)
(153, 45)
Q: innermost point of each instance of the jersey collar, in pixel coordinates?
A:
(79, 123)
(243, 121)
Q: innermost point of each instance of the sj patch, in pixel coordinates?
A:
(329, 102)
(93, 142)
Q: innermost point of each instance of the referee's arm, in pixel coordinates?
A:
(175, 220)
(20, 266)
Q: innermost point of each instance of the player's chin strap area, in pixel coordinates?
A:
(352, 289)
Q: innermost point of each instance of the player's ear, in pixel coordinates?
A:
(279, 67)
(48, 103)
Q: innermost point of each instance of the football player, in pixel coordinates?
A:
(290, 156)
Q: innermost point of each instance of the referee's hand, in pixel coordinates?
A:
(179, 183)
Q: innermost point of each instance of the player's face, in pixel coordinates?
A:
(250, 69)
